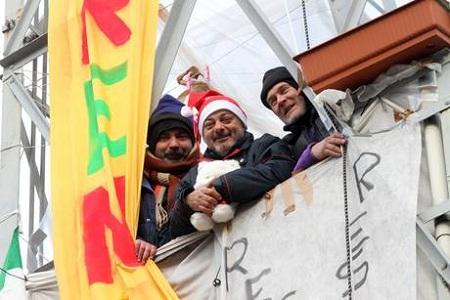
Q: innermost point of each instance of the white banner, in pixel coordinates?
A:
(297, 244)
(304, 246)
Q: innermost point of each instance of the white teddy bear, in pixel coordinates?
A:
(223, 212)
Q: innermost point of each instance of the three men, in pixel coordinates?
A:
(265, 162)
(172, 151)
(222, 124)
(308, 138)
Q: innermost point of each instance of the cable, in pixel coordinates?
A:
(22, 147)
(12, 275)
(8, 215)
(305, 24)
(346, 212)
(347, 222)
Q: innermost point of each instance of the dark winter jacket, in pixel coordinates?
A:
(147, 229)
(265, 162)
(308, 129)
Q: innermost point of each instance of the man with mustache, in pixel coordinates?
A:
(171, 152)
(308, 138)
(264, 162)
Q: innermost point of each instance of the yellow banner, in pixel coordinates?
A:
(101, 66)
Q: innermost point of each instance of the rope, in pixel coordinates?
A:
(305, 24)
(8, 215)
(12, 275)
(22, 147)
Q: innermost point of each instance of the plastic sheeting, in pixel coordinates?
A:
(42, 286)
(295, 245)
(220, 36)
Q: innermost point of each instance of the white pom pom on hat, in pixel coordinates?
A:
(203, 104)
(187, 111)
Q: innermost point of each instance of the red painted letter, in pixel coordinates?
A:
(104, 14)
(96, 218)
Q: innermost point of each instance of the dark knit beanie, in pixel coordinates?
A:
(271, 78)
(166, 116)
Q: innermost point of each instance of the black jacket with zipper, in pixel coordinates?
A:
(265, 162)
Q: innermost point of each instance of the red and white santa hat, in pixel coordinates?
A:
(202, 104)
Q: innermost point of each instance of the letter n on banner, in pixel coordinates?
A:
(97, 218)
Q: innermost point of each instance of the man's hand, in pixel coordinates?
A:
(144, 251)
(203, 199)
(329, 146)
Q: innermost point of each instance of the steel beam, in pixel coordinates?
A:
(30, 150)
(377, 6)
(35, 176)
(26, 54)
(281, 50)
(35, 183)
(433, 252)
(10, 152)
(269, 34)
(346, 16)
(169, 43)
(443, 79)
(335, 10)
(389, 5)
(435, 212)
(354, 14)
(431, 110)
(29, 106)
(21, 28)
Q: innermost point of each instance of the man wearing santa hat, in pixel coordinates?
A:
(222, 125)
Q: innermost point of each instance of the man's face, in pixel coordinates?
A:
(286, 102)
(222, 130)
(173, 145)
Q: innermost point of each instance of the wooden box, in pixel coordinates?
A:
(358, 56)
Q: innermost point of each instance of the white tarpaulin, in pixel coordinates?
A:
(297, 244)
(302, 248)
(42, 286)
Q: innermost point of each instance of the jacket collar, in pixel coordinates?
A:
(303, 122)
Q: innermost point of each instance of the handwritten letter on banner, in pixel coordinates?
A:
(299, 249)
(101, 67)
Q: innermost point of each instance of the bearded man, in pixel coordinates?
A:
(171, 152)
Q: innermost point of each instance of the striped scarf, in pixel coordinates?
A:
(164, 178)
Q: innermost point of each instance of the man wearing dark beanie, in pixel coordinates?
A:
(308, 138)
(171, 152)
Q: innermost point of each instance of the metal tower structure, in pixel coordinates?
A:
(25, 121)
